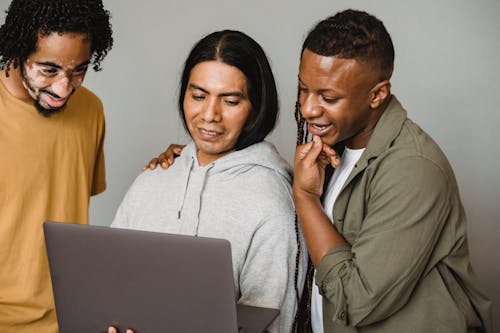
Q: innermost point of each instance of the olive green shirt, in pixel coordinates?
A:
(406, 266)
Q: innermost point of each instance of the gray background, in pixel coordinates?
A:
(446, 75)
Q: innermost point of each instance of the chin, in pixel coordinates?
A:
(328, 140)
(47, 112)
(215, 152)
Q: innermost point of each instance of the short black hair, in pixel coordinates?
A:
(236, 49)
(349, 34)
(26, 20)
(353, 34)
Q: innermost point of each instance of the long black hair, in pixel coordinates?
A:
(236, 49)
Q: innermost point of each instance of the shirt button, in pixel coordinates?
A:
(342, 315)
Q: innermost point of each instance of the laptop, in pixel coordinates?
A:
(147, 281)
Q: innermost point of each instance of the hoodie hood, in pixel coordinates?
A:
(263, 154)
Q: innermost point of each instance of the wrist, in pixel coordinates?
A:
(305, 200)
(304, 195)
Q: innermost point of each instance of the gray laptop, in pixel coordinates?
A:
(147, 281)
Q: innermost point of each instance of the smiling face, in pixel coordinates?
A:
(56, 69)
(338, 99)
(216, 108)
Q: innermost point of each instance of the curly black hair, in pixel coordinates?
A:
(27, 20)
(353, 34)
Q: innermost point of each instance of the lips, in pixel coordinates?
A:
(55, 102)
(318, 129)
(209, 134)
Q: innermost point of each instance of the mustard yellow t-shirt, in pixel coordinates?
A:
(49, 168)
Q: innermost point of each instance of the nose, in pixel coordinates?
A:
(211, 111)
(62, 87)
(309, 106)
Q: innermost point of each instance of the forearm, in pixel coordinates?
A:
(319, 232)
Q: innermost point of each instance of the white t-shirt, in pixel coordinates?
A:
(339, 177)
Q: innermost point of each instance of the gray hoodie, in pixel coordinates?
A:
(244, 197)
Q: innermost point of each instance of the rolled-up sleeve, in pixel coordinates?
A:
(406, 203)
(331, 271)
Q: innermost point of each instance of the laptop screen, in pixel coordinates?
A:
(147, 281)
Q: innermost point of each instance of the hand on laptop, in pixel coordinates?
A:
(112, 329)
(166, 158)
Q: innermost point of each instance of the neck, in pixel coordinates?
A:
(362, 138)
(14, 83)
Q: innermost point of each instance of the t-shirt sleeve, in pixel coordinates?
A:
(99, 176)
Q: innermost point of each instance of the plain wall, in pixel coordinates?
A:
(446, 75)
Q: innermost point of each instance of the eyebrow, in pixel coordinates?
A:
(52, 64)
(321, 90)
(225, 94)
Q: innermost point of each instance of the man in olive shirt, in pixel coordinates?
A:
(387, 233)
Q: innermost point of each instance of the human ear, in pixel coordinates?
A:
(380, 93)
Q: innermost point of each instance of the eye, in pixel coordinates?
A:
(232, 102)
(302, 89)
(80, 71)
(198, 97)
(48, 71)
(329, 100)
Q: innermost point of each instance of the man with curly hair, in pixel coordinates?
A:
(51, 143)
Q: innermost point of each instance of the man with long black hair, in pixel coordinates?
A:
(51, 143)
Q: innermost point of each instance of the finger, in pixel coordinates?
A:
(312, 155)
(178, 150)
(302, 150)
(174, 150)
(333, 157)
(170, 155)
(164, 161)
(153, 163)
(323, 159)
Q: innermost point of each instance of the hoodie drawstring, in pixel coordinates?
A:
(207, 170)
(186, 183)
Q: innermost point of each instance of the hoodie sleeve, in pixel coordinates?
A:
(128, 205)
(121, 216)
(267, 277)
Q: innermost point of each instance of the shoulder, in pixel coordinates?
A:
(408, 177)
(86, 94)
(396, 136)
(415, 150)
(84, 98)
(262, 179)
(159, 178)
(265, 159)
(404, 153)
(269, 190)
(151, 179)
